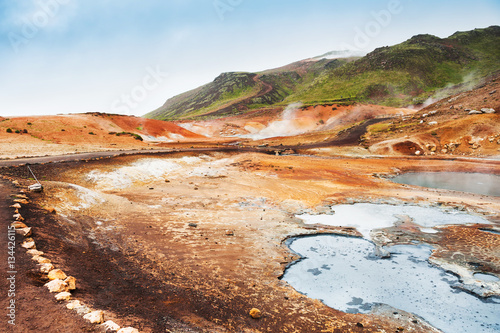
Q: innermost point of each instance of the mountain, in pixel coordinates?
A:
(400, 75)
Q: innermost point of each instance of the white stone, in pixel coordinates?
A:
(46, 268)
(73, 304)
(488, 110)
(71, 282)
(432, 123)
(110, 326)
(35, 252)
(95, 317)
(57, 286)
(475, 112)
(64, 296)
(25, 232)
(57, 274)
(128, 330)
(16, 205)
(28, 244)
(41, 260)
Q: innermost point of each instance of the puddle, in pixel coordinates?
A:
(486, 277)
(491, 231)
(365, 217)
(479, 183)
(344, 273)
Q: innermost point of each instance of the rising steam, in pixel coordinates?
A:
(286, 126)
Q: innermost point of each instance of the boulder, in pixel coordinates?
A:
(71, 282)
(64, 296)
(16, 205)
(110, 326)
(57, 286)
(255, 313)
(128, 330)
(95, 317)
(45, 268)
(18, 217)
(488, 110)
(25, 232)
(57, 274)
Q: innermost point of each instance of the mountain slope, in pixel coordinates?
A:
(400, 75)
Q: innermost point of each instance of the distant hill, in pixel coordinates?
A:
(400, 75)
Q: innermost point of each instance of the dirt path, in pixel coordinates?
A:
(36, 310)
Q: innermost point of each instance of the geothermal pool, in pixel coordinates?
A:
(344, 274)
(478, 183)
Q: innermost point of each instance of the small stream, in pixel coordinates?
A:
(479, 183)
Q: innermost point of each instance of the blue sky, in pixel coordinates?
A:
(125, 56)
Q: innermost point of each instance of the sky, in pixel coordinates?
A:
(129, 57)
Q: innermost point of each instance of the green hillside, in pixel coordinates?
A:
(400, 75)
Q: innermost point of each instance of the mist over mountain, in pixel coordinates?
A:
(409, 73)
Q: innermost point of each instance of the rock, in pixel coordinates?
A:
(193, 225)
(110, 326)
(25, 232)
(488, 110)
(21, 196)
(51, 210)
(382, 253)
(71, 282)
(73, 304)
(418, 153)
(128, 330)
(28, 243)
(16, 205)
(35, 253)
(492, 92)
(22, 201)
(18, 225)
(57, 286)
(46, 268)
(57, 274)
(18, 217)
(229, 233)
(64, 296)
(41, 260)
(255, 313)
(475, 112)
(95, 317)
(432, 123)
(444, 151)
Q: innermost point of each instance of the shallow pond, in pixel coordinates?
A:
(480, 183)
(345, 275)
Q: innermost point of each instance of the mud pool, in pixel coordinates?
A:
(366, 217)
(479, 183)
(344, 273)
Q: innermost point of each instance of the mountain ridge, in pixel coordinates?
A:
(400, 75)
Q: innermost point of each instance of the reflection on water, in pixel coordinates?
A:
(479, 183)
(345, 275)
